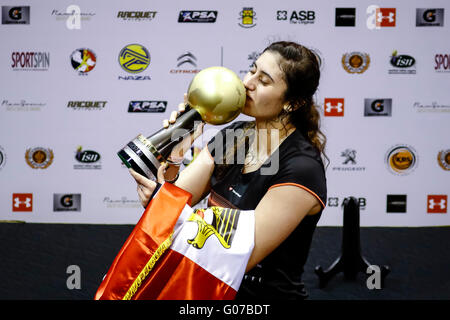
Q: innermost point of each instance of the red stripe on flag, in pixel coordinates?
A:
(176, 277)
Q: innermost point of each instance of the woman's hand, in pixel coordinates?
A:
(145, 186)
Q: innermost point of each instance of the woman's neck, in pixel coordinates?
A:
(270, 133)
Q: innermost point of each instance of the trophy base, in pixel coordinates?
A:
(139, 155)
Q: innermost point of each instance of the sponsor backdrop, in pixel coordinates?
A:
(80, 79)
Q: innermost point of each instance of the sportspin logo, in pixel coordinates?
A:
(192, 16)
(134, 58)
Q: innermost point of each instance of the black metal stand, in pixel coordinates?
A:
(350, 261)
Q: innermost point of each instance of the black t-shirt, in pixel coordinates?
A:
(278, 276)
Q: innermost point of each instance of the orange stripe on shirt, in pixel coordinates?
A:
(300, 186)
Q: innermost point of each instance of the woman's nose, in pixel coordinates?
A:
(249, 83)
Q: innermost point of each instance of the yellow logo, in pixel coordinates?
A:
(444, 159)
(401, 159)
(223, 226)
(134, 58)
(355, 62)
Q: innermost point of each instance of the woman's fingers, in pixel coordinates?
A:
(161, 171)
(145, 187)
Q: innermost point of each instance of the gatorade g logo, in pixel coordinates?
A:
(134, 58)
(401, 159)
(223, 226)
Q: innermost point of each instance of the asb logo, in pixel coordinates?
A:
(334, 107)
(83, 60)
(437, 204)
(134, 58)
(429, 17)
(380, 17)
(39, 158)
(15, 15)
(403, 64)
(345, 17)
(247, 18)
(66, 202)
(401, 159)
(377, 107)
(355, 62)
(206, 16)
(444, 159)
(22, 202)
(297, 17)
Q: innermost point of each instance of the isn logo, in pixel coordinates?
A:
(444, 159)
(355, 62)
(39, 158)
(401, 159)
(333, 107)
(247, 18)
(87, 159)
(437, 204)
(403, 64)
(83, 60)
(380, 17)
(22, 202)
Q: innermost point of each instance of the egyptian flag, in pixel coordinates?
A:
(178, 253)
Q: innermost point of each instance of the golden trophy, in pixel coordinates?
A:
(215, 95)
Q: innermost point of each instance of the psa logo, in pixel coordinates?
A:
(147, 106)
(66, 202)
(380, 17)
(334, 107)
(83, 60)
(300, 17)
(205, 16)
(355, 62)
(377, 107)
(22, 202)
(429, 17)
(247, 18)
(15, 15)
(401, 159)
(437, 204)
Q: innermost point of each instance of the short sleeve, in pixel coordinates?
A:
(304, 172)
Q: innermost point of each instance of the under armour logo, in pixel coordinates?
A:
(380, 17)
(22, 202)
(334, 107)
(437, 204)
(390, 17)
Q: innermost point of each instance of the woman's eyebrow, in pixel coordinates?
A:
(263, 72)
